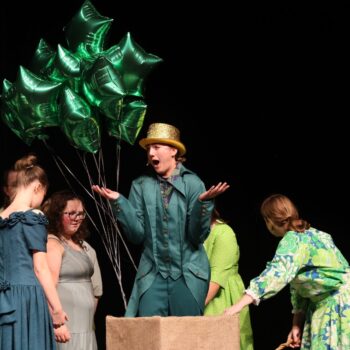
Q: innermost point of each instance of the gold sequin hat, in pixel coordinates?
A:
(163, 133)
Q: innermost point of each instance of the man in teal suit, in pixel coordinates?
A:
(169, 212)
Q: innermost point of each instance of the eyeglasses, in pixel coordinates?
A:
(75, 215)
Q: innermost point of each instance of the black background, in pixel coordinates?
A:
(260, 94)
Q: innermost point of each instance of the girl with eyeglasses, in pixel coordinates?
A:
(74, 268)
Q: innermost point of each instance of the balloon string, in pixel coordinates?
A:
(112, 247)
(118, 150)
(108, 211)
(109, 239)
(109, 244)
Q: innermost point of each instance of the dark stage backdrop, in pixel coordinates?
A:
(260, 94)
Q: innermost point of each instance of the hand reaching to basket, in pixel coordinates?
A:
(293, 340)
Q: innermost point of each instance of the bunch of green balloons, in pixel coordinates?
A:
(79, 87)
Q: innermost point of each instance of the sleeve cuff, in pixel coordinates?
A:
(298, 311)
(256, 300)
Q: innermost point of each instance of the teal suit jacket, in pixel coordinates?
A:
(140, 224)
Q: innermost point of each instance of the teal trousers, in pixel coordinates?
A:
(167, 297)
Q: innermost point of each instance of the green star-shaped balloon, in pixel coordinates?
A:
(37, 99)
(65, 67)
(134, 64)
(64, 86)
(42, 59)
(78, 123)
(103, 87)
(129, 124)
(11, 116)
(87, 30)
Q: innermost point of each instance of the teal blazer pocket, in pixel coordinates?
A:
(145, 276)
(145, 267)
(197, 280)
(198, 272)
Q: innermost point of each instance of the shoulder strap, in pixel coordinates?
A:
(51, 236)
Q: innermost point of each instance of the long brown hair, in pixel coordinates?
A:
(281, 211)
(215, 215)
(54, 208)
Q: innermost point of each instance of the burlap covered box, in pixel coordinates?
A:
(172, 333)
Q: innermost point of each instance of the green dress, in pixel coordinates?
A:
(223, 253)
(319, 278)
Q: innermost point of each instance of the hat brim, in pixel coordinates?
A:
(149, 141)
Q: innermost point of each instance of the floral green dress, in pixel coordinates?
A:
(223, 254)
(319, 278)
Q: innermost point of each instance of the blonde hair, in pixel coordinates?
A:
(281, 211)
(28, 171)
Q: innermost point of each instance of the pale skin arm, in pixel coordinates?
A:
(105, 192)
(213, 290)
(43, 274)
(96, 302)
(236, 308)
(54, 258)
(295, 335)
(213, 191)
(298, 319)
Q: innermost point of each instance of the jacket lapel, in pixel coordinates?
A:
(151, 191)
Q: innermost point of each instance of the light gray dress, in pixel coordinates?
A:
(76, 293)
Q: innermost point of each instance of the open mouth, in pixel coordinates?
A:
(155, 162)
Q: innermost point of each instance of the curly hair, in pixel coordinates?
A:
(54, 208)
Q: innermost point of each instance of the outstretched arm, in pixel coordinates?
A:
(236, 308)
(214, 191)
(105, 192)
(126, 211)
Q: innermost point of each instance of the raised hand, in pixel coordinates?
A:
(105, 192)
(214, 191)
